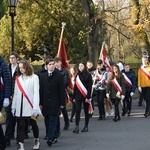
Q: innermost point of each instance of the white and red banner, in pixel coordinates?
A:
(145, 72)
(127, 80)
(118, 87)
(103, 57)
(84, 91)
(25, 92)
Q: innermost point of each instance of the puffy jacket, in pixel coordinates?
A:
(5, 92)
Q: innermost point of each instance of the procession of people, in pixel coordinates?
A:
(25, 96)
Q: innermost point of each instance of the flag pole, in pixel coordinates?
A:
(61, 36)
(103, 44)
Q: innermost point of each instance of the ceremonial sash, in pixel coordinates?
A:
(145, 72)
(83, 91)
(24, 91)
(127, 80)
(117, 86)
(1, 83)
(99, 76)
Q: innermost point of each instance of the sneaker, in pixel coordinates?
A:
(49, 142)
(36, 144)
(106, 114)
(111, 112)
(20, 146)
(54, 141)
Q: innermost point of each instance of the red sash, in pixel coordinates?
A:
(23, 90)
(83, 91)
(117, 86)
(99, 76)
(1, 84)
(145, 72)
(127, 80)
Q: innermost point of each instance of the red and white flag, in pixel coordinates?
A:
(103, 57)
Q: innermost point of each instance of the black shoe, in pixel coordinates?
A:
(70, 120)
(85, 129)
(66, 127)
(139, 104)
(46, 137)
(146, 115)
(49, 142)
(8, 144)
(100, 118)
(76, 130)
(115, 119)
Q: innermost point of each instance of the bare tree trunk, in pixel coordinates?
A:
(93, 23)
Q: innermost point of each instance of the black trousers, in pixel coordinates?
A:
(73, 110)
(101, 95)
(10, 123)
(21, 122)
(127, 103)
(78, 111)
(65, 115)
(116, 102)
(2, 139)
(146, 96)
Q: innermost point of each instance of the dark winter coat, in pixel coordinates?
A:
(52, 93)
(12, 79)
(5, 75)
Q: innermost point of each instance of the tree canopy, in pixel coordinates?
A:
(124, 25)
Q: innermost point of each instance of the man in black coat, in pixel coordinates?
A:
(5, 92)
(66, 78)
(40, 72)
(52, 97)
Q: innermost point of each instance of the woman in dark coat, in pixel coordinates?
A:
(82, 94)
(116, 90)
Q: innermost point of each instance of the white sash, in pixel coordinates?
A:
(144, 70)
(127, 80)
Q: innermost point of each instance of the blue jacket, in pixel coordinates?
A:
(5, 76)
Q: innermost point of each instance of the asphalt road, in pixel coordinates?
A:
(131, 133)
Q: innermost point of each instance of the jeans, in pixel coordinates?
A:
(52, 127)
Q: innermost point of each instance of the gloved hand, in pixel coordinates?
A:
(6, 102)
(95, 87)
(35, 112)
(122, 97)
(107, 95)
(140, 89)
(131, 94)
(13, 111)
(88, 100)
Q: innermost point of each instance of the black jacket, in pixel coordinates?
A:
(12, 79)
(52, 93)
(87, 82)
